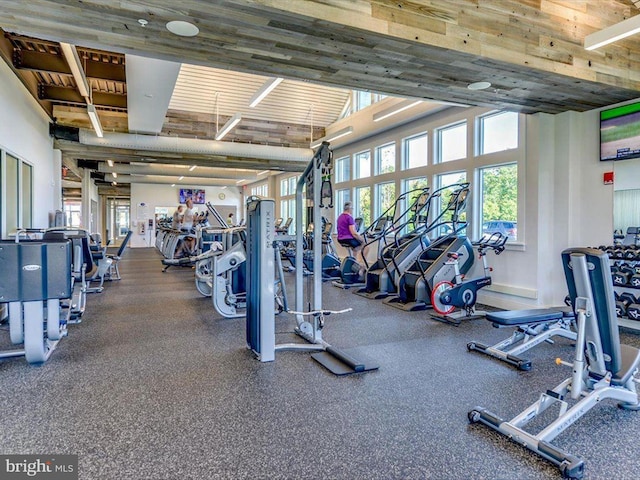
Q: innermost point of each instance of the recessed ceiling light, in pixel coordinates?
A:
(182, 28)
(479, 85)
(173, 184)
(142, 22)
(181, 177)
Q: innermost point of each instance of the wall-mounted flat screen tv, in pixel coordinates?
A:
(195, 194)
(620, 133)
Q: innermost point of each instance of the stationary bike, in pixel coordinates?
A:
(447, 296)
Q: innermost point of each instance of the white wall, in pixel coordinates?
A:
(153, 196)
(24, 132)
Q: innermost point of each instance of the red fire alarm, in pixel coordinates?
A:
(608, 178)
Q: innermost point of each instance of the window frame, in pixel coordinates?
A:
(377, 207)
(356, 166)
(480, 130)
(19, 189)
(377, 162)
(405, 151)
(345, 171)
(479, 229)
(439, 142)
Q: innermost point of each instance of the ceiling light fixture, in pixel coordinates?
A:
(115, 174)
(222, 188)
(95, 120)
(264, 90)
(240, 181)
(110, 163)
(173, 184)
(114, 183)
(397, 108)
(333, 136)
(611, 34)
(182, 28)
(181, 177)
(192, 168)
(73, 59)
(479, 85)
(263, 172)
(233, 121)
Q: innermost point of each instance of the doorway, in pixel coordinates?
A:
(118, 220)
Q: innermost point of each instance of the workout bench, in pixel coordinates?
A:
(532, 328)
(602, 368)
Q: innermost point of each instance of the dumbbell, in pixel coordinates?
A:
(625, 300)
(633, 311)
(623, 275)
(631, 253)
(634, 281)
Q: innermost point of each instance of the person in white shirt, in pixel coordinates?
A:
(188, 215)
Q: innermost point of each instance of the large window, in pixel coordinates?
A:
(414, 185)
(260, 190)
(16, 186)
(364, 99)
(447, 180)
(362, 162)
(288, 186)
(284, 187)
(499, 200)
(362, 205)
(342, 196)
(415, 151)
(342, 170)
(288, 200)
(452, 142)
(385, 159)
(385, 196)
(27, 195)
(11, 187)
(497, 132)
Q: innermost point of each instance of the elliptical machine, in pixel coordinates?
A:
(463, 294)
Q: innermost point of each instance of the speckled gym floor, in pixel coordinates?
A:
(153, 384)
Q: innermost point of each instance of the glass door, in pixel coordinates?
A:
(118, 220)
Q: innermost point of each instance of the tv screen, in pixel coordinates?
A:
(195, 194)
(620, 133)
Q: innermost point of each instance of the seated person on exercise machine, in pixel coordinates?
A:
(188, 218)
(348, 235)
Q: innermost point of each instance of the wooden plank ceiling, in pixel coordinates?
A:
(530, 50)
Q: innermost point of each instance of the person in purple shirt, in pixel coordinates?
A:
(348, 235)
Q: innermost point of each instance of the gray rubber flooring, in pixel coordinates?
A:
(155, 385)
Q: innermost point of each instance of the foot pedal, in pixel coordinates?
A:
(341, 363)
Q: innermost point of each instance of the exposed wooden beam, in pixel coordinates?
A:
(71, 95)
(40, 61)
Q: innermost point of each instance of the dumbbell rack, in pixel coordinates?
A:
(625, 270)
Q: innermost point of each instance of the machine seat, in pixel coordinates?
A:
(630, 358)
(513, 318)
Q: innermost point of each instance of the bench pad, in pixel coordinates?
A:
(526, 317)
